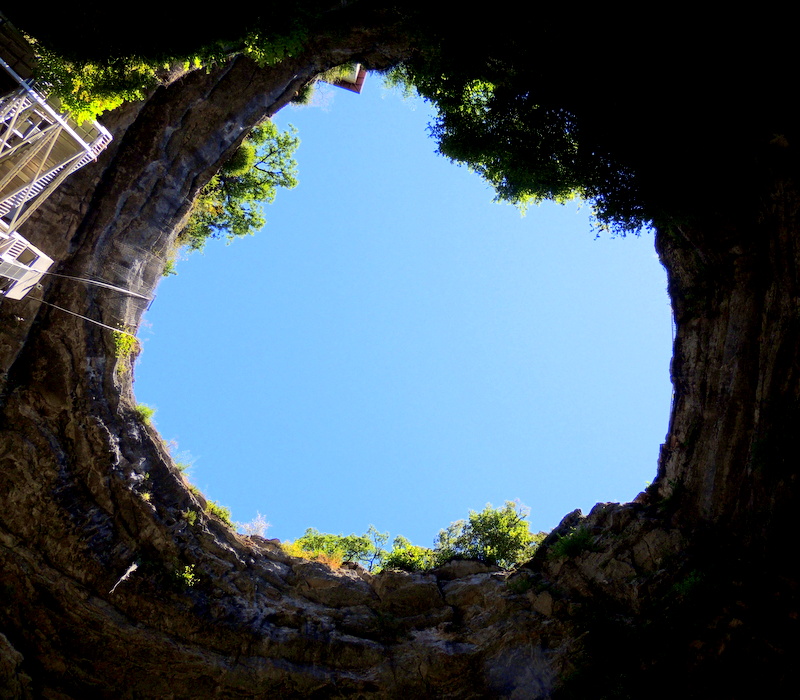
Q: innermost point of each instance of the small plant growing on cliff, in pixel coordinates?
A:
(212, 508)
(187, 576)
(519, 584)
(689, 584)
(572, 544)
(170, 268)
(220, 512)
(296, 549)
(125, 346)
(145, 413)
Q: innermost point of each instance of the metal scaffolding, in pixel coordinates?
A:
(39, 148)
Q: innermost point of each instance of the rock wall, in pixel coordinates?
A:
(649, 597)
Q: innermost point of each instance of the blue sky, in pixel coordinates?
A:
(395, 349)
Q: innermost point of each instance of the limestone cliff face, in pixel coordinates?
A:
(671, 593)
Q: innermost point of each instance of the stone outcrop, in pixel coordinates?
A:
(669, 594)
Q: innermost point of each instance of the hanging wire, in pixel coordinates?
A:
(85, 318)
(101, 284)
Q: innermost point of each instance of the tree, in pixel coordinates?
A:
(498, 536)
(366, 549)
(539, 121)
(231, 204)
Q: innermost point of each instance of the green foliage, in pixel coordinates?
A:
(689, 584)
(145, 413)
(499, 536)
(409, 557)
(306, 93)
(495, 536)
(526, 151)
(542, 107)
(520, 584)
(548, 108)
(221, 512)
(398, 79)
(577, 541)
(296, 550)
(366, 549)
(515, 116)
(212, 507)
(190, 516)
(231, 204)
(187, 576)
(86, 89)
(269, 50)
(170, 268)
(125, 346)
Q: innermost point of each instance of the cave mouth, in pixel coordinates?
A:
(404, 347)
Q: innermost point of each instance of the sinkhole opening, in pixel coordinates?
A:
(395, 349)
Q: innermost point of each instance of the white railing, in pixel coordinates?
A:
(39, 148)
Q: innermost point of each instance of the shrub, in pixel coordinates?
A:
(409, 557)
(572, 544)
(86, 89)
(125, 346)
(499, 536)
(689, 584)
(296, 549)
(145, 413)
(220, 512)
(366, 549)
(186, 576)
(495, 536)
(520, 584)
(170, 268)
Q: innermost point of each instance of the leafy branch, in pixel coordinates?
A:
(231, 204)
